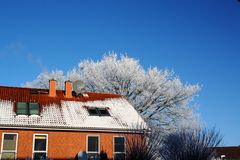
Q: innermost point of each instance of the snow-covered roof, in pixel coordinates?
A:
(68, 113)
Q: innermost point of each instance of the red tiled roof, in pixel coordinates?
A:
(232, 152)
(67, 113)
(41, 96)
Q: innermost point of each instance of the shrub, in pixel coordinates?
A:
(191, 144)
(143, 146)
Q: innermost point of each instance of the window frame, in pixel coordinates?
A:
(9, 151)
(28, 109)
(124, 146)
(33, 149)
(93, 135)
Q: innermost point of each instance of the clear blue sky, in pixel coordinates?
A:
(198, 39)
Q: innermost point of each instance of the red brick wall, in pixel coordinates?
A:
(61, 144)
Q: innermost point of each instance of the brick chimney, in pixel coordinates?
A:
(52, 88)
(68, 89)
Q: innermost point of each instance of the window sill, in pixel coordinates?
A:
(21, 115)
(33, 116)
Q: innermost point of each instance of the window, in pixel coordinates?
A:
(24, 108)
(103, 112)
(119, 148)
(9, 146)
(93, 147)
(93, 111)
(98, 112)
(33, 108)
(40, 146)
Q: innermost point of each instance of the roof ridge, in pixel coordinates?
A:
(26, 94)
(90, 92)
(108, 93)
(13, 87)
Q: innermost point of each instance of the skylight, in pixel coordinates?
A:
(103, 112)
(24, 108)
(93, 111)
(98, 111)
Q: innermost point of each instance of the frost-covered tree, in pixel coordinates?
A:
(42, 80)
(159, 95)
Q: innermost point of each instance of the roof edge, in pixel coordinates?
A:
(61, 90)
(83, 129)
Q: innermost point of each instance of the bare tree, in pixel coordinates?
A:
(191, 144)
(143, 146)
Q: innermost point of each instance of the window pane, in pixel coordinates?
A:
(8, 156)
(34, 108)
(22, 108)
(9, 142)
(119, 144)
(93, 144)
(40, 156)
(119, 156)
(93, 111)
(103, 112)
(40, 143)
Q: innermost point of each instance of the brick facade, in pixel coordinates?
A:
(61, 144)
(57, 115)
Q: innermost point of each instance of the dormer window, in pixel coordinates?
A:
(98, 111)
(28, 109)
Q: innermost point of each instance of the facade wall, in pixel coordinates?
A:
(61, 144)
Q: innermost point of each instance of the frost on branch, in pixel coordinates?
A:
(159, 95)
(42, 80)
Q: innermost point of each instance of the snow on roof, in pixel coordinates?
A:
(72, 113)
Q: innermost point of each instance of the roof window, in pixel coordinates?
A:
(98, 111)
(93, 111)
(103, 112)
(24, 108)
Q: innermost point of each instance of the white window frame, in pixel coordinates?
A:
(114, 146)
(33, 150)
(11, 151)
(93, 135)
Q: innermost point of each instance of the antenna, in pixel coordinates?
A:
(78, 85)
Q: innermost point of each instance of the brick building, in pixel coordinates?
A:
(227, 153)
(59, 124)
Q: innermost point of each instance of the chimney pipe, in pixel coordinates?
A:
(52, 88)
(68, 89)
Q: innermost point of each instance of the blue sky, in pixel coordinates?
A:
(199, 40)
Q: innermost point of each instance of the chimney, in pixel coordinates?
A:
(52, 88)
(68, 89)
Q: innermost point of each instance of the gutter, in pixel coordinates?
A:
(86, 129)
